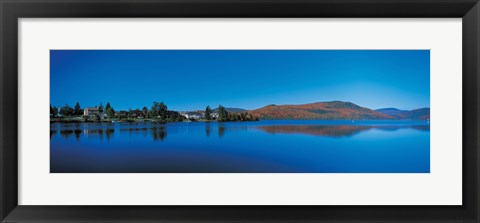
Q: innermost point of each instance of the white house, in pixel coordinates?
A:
(194, 115)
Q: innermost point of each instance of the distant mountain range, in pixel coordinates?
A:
(335, 110)
(231, 110)
(421, 113)
(394, 112)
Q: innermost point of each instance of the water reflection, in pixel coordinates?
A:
(421, 127)
(158, 133)
(53, 132)
(77, 134)
(221, 130)
(330, 130)
(65, 133)
(207, 129)
(109, 133)
(225, 127)
(99, 132)
(241, 147)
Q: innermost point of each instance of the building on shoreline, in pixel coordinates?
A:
(197, 115)
(192, 115)
(93, 111)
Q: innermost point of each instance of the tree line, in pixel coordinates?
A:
(158, 111)
(225, 116)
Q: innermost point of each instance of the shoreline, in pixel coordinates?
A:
(78, 120)
(165, 122)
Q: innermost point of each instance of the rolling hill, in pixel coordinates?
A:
(320, 110)
(416, 114)
(396, 113)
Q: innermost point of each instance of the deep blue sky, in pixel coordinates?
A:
(249, 79)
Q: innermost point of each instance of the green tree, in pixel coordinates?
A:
(208, 113)
(155, 109)
(66, 110)
(162, 111)
(179, 118)
(110, 112)
(51, 110)
(55, 111)
(100, 108)
(244, 116)
(78, 109)
(97, 117)
(145, 112)
(222, 114)
(107, 106)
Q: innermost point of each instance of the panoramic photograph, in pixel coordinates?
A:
(240, 111)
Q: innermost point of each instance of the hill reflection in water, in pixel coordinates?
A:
(331, 130)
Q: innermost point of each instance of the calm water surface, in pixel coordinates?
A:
(241, 147)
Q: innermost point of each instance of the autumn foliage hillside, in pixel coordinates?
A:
(320, 110)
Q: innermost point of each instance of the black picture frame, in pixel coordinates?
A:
(12, 10)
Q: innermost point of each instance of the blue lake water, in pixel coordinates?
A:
(279, 146)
